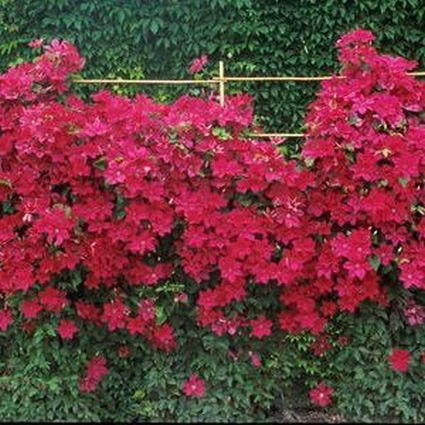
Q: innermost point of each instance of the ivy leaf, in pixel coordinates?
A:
(161, 315)
(375, 262)
(221, 133)
(154, 27)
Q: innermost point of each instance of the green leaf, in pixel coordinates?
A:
(375, 262)
(154, 27)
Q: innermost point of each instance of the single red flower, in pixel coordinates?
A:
(31, 308)
(96, 370)
(115, 314)
(321, 395)
(399, 359)
(53, 299)
(5, 319)
(198, 64)
(261, 327)
(96, 367)
(164, 338)
(67, 329)
(194, 386)
(255, 359)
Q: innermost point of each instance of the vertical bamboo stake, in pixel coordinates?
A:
(221, 74)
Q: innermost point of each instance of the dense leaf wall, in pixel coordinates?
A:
(145, 38)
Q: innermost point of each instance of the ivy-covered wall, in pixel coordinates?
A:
(158, 38)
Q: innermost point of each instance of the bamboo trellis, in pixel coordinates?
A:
(221, 80)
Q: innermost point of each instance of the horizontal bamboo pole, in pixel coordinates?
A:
(325, 77)
(286, 135)
(217, 80)
(121, 81)
(229, 79)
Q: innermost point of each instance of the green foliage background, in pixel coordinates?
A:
(159, 38)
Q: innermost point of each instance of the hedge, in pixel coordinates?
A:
(186, 267)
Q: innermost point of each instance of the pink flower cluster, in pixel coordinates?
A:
(365, 146)
(101, 186)
(95, 371)
(414, 313)
(400, 359)
(321, 395)
(198, 64)
(194, 386)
